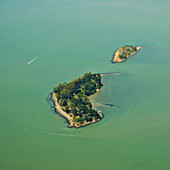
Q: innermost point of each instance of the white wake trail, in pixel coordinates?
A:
(32, 60)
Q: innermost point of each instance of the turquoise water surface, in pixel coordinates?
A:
(65, 39)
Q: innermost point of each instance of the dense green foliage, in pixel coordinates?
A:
(73, 97)
(126, 51)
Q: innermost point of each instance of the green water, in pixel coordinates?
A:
(69, 38)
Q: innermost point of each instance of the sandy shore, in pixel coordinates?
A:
(68, 117)
(138, 48)
(60, 111)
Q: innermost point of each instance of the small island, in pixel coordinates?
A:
(72, 100)
(125, 52)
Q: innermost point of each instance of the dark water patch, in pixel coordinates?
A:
(50, 102)
(112, 105)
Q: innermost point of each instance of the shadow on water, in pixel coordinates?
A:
(112, 105)
(107, 105)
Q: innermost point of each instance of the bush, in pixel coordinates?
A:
(73, 96)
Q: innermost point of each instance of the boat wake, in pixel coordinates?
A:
(32, 60)
(38, 131)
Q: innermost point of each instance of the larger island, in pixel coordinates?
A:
(125, 52)
(72, 100)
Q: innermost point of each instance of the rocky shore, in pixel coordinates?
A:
(125, 52)
(69, 119)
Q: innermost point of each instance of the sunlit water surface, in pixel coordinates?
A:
(63, 39)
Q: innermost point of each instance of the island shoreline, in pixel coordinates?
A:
(116, 58)
(60, 111)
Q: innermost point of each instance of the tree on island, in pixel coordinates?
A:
(73, 97)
